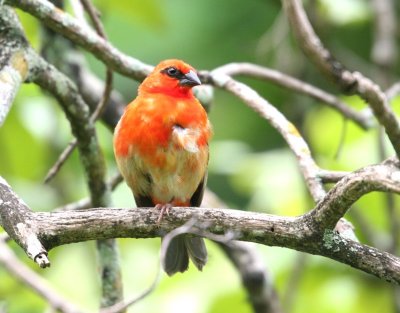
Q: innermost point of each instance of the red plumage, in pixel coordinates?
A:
(161, 148)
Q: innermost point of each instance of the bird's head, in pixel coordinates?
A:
(172, 77)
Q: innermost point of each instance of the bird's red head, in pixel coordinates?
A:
(173, 77)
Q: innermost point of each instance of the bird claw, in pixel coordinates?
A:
(164, 208)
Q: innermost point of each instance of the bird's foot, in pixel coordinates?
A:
(164, 208)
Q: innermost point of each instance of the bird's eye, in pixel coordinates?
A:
(172, 71)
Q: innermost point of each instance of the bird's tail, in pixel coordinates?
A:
(180, 249)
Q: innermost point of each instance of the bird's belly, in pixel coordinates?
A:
(172, 178)
(178, 179)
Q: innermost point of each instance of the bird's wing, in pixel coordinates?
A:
(197, 197)
(143, 201)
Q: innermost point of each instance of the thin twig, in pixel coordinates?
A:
(79, 12)
(331, 176)
(65, 91)
(94, 16)
(85, 203)
(102, 103)
(289, 132)
(30, 278)
(393, 91)
(60, 161)
(342, 140)
(273, 36)
(363, 119)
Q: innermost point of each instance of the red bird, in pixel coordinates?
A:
(161, 148)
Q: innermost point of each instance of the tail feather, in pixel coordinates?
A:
(176, 258)
(197, 251)
(180, 249)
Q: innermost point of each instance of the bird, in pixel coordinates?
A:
(161, 146)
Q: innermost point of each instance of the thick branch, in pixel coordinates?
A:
(18, 221)
(349, 82)
(299, 233)
(13, 64)
(67, 227)
(382, 177)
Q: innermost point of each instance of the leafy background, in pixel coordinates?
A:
(251, 167)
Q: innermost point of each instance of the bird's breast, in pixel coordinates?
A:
(156, 128)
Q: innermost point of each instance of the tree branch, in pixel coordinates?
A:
(20, 225)
(125, 65)
(331, 176)
(85, 203)
(78, 114)
(381, 177)
(299, 233)
(13, 64)
(260, 288)
(349, 82)
(68, 227)
(384, 50)
(253, 271)
(310, 233)
(70, 27)
(288, 131)
(18, 269)
(92, 12)
(363, 119)
(393, 91)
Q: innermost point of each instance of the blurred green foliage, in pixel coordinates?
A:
(251, 167)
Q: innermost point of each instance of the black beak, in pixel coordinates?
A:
(190, 79)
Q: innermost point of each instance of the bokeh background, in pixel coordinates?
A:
(251, 167)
